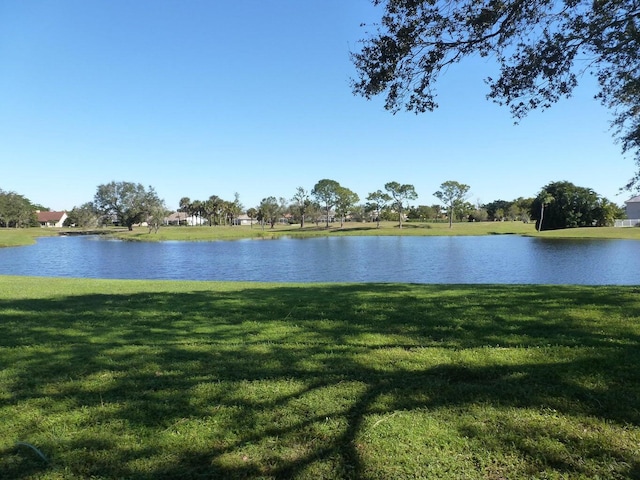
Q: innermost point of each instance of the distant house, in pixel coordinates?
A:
(51, 219)
(632, 207)
(243, 220)
(182, 218)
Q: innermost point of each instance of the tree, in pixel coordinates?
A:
(452, 194)
(315, 213)
(252, 213)
(496, 209)
(421, 212)
(301, 203)
(399, 195)
(542, 48)
(463, 211)
(156, 217)
(326, 192)
(16, 210)
(197, 210)
(607, 212)
(358, 213)
(377, 202)
(565, 205)
(524, 206)
(269, 210)
(235, 208)
(84, 216)
(345, 201)
(184, 205)
(213, 209)
(478, 214)
(129, 203)
(544, 199)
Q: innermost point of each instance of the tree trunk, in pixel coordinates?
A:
(541, 217)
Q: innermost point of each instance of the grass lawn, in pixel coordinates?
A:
(205, 233)
(349, 229)
(15, 237)
(146, 380)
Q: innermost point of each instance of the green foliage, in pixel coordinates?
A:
(269, 211)
(84, 216)
(346, 201)
(301, 205)
(377, 203)
(453, 194)
(141, 380)
(539, 46)
(252, 213)
(564, 205)
(478, 215)
(518, 209)
(424, 213)
(326, 193)
(400, 196)
(16, 211)
(129, 203)
(497, 209)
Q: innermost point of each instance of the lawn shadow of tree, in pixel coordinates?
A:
(283, 382)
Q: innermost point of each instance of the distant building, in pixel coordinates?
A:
(182, 218)
(51, 219)
(632, 206)
(243, 219)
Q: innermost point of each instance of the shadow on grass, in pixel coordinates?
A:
(282, 382)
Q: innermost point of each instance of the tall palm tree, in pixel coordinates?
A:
(545, 199)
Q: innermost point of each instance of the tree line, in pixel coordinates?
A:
(17, 211)
(557, 205)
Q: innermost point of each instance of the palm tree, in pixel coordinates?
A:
(545, 199)
(184, 207)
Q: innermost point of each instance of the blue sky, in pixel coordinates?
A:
(199, 98)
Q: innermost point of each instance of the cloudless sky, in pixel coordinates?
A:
(212, 97)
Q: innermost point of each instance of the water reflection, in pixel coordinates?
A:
(489, 259)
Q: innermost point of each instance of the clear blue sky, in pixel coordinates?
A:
(199, 97)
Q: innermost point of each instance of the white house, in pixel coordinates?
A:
(181, 218)
(243, 220)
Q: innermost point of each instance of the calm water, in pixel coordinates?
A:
(490, 259)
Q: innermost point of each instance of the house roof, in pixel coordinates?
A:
(177, 216)
(50, 216)
(635, 199)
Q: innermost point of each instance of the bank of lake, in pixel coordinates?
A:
(27, 236)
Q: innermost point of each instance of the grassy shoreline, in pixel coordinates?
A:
(162, 379)
(16, 237)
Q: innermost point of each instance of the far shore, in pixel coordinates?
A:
(26, 236)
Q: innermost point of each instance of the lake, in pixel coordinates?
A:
(503, 259)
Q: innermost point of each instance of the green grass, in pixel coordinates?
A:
(15, 237)
(146, 380)
(205, 233)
